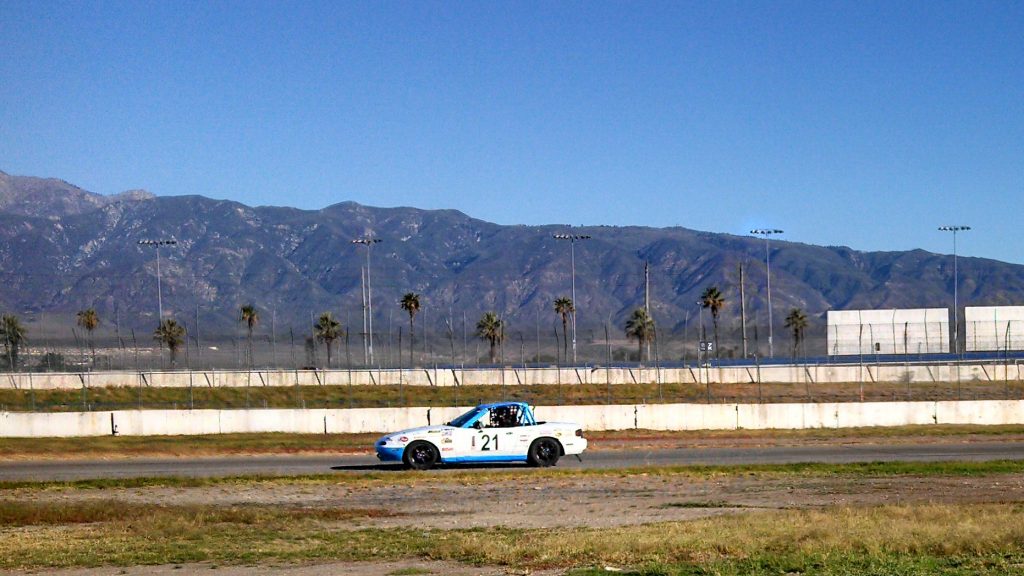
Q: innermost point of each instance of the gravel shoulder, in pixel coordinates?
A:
(576, 501)
(529, 501)
(542, 503)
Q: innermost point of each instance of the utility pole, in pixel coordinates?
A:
(767, 233)
(363, 291)
(199, 349)
(159, 295)
(647, 288)
(956, 283)
(573, 238)
(273, 337)
(647, 299)
(368, 242)
(743, 310)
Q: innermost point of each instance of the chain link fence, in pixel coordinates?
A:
(335, 392)
(54, 343)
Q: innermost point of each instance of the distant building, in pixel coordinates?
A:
(911, 331)
(994, 328)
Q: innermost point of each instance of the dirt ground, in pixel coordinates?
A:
(591, 501)
(546, 503)
(531, 501)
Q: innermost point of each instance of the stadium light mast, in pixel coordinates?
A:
(159, 296)
(573, 239)
(767, 233)
(369, 293)
(956, 283)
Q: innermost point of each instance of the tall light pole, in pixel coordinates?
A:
(159, 296)
(956, 283)
(573, 238)
(767, 233)
(369, 293)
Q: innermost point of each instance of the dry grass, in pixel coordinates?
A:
(267, 533)
(21, 513)
(114, 398)
(398, 479)
(279, 443)
(185, 446)
(888, 433)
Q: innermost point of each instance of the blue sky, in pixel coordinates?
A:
(867, 124)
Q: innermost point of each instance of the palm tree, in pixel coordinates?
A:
(640, 326)
(411, 304)
(327, 330)
(713, 299)
(251, 317)
(171, 334)
(491, 328)
(797, 322)
(564, 307)
(88, 319)
(12, 334)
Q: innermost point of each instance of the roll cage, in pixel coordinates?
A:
(499, 414)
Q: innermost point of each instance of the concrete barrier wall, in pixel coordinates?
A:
(615, 417)
(919, 373)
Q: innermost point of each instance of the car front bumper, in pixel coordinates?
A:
(386, 454)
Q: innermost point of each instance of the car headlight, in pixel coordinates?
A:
(393, 440)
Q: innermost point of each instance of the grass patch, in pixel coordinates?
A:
(701, 504)
(828, 565)
(21, 513)
(185, 446)
(335, 396)
(823, 434)
(574, 393)
(281, 443)
(478, 477)
(878, 540)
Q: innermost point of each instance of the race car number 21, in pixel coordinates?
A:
(490, 443)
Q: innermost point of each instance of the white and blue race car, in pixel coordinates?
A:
(499, 432)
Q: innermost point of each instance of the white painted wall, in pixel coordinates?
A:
(615, 417)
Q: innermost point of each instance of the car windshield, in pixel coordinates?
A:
(465, 418)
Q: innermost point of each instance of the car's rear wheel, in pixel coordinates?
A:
(544, 452)
(420, 455)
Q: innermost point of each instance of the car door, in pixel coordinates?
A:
(494, 443)
(484, 443)
(473, 444)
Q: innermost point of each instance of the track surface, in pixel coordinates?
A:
(297, 465)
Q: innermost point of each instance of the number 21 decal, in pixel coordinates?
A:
(488, 440)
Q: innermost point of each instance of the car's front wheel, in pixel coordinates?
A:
(544, 452)
(420, 455)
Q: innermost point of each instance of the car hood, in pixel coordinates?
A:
(420, 430)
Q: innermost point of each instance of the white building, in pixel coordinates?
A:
(911, 331)
(994, 328)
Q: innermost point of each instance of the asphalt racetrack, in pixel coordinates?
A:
(62, 470)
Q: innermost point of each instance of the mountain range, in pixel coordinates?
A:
(63, 249)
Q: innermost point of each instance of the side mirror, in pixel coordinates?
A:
(478, 425)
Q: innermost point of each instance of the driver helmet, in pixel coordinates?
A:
(503, 416)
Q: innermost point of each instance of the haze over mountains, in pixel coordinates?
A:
(63, 249)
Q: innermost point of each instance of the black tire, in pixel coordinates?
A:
(420, 455)
(544, 452)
